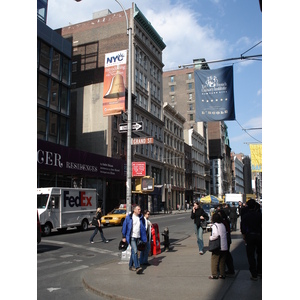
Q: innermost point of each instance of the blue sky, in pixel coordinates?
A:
(210, 29)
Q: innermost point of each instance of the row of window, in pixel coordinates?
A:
(53, 63)
(142, 81)
(189, 86)
(53, 80)
(174, 178)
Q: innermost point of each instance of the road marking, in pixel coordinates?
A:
(59, 273)
(93, 249)
(66, 255)
(45, 260)
(53, 289)
(54, 265)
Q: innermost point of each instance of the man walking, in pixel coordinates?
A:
(252, 233)
(133, 231)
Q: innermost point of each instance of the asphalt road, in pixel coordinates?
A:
(62, 257)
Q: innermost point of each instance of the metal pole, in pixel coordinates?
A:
(129, 119)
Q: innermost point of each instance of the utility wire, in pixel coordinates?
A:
(248, 132)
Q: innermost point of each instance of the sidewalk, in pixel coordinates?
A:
(180, 273)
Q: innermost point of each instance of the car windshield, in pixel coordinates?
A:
(118, 212)
(42, 200)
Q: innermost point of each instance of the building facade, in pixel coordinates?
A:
(93, 132)
(198, 161)
(219, 155)
(238, 174)
(179, 92)
(174, 159)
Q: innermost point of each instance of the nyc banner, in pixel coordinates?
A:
(256, 157)
(214, 95)
(114, 83)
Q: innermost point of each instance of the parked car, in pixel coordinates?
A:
(39, 230)
(115, 217)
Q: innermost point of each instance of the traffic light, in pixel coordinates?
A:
(147, 184)
(144, 184)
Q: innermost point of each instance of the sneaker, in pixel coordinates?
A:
(106, 241)
(201, 252)
(132, 269)
(139, 270)
(253, 278)
(91, 242)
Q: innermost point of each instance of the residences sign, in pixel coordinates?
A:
(62, 159)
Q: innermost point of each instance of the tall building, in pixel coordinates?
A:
(219, 156)
(238, 174)
(58, 164)
(179, 92)
(174, 159)
(199, 184)
(93, 132)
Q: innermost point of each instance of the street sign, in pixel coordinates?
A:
(142, 141)
(136, 126)
(138, 169)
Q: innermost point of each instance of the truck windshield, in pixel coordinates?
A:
(42, 200)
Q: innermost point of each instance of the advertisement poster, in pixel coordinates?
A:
(214, 95)
(256, 157)
(114, 83)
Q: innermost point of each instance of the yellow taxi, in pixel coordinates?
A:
(115, 217)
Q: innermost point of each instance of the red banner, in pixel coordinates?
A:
(114, 83)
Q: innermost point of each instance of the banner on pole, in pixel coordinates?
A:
(214, 95)
(114, 83)
(256, 157)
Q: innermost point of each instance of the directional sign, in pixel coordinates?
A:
(136, 126)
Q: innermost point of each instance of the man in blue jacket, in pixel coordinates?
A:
(133, 231)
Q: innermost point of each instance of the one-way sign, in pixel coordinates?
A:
(136, 126)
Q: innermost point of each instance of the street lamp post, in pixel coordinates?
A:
(129, 107)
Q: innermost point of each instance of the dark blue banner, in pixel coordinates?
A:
(214, 95)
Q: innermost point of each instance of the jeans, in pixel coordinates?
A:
(134, 253)
(95, 232)
(199, 234)
(144, 254)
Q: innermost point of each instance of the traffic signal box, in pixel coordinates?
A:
(144, 184)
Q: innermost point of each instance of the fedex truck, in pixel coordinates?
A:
(60, 208)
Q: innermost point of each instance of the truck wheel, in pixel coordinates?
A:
(84, 225)
(47, 229)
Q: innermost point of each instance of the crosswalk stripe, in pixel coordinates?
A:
(62, 272)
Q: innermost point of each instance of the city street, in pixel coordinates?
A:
(61, 257)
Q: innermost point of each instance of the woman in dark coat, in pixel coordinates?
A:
(199, 216)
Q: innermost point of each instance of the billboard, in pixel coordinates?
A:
(214, 95)
(256, 157)
(114, 83)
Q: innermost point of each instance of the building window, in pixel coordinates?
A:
(190, 86)
(172, 88)
(42, 92)
(172, 79)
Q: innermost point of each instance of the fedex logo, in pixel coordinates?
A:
(80, 200)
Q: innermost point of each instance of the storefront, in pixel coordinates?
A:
(63, 166)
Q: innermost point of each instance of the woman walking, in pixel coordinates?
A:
(98, 227)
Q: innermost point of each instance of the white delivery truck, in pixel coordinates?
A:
(235, 198)
(60, 208)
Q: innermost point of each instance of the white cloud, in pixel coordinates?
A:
(177, 23)
(185, 38)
